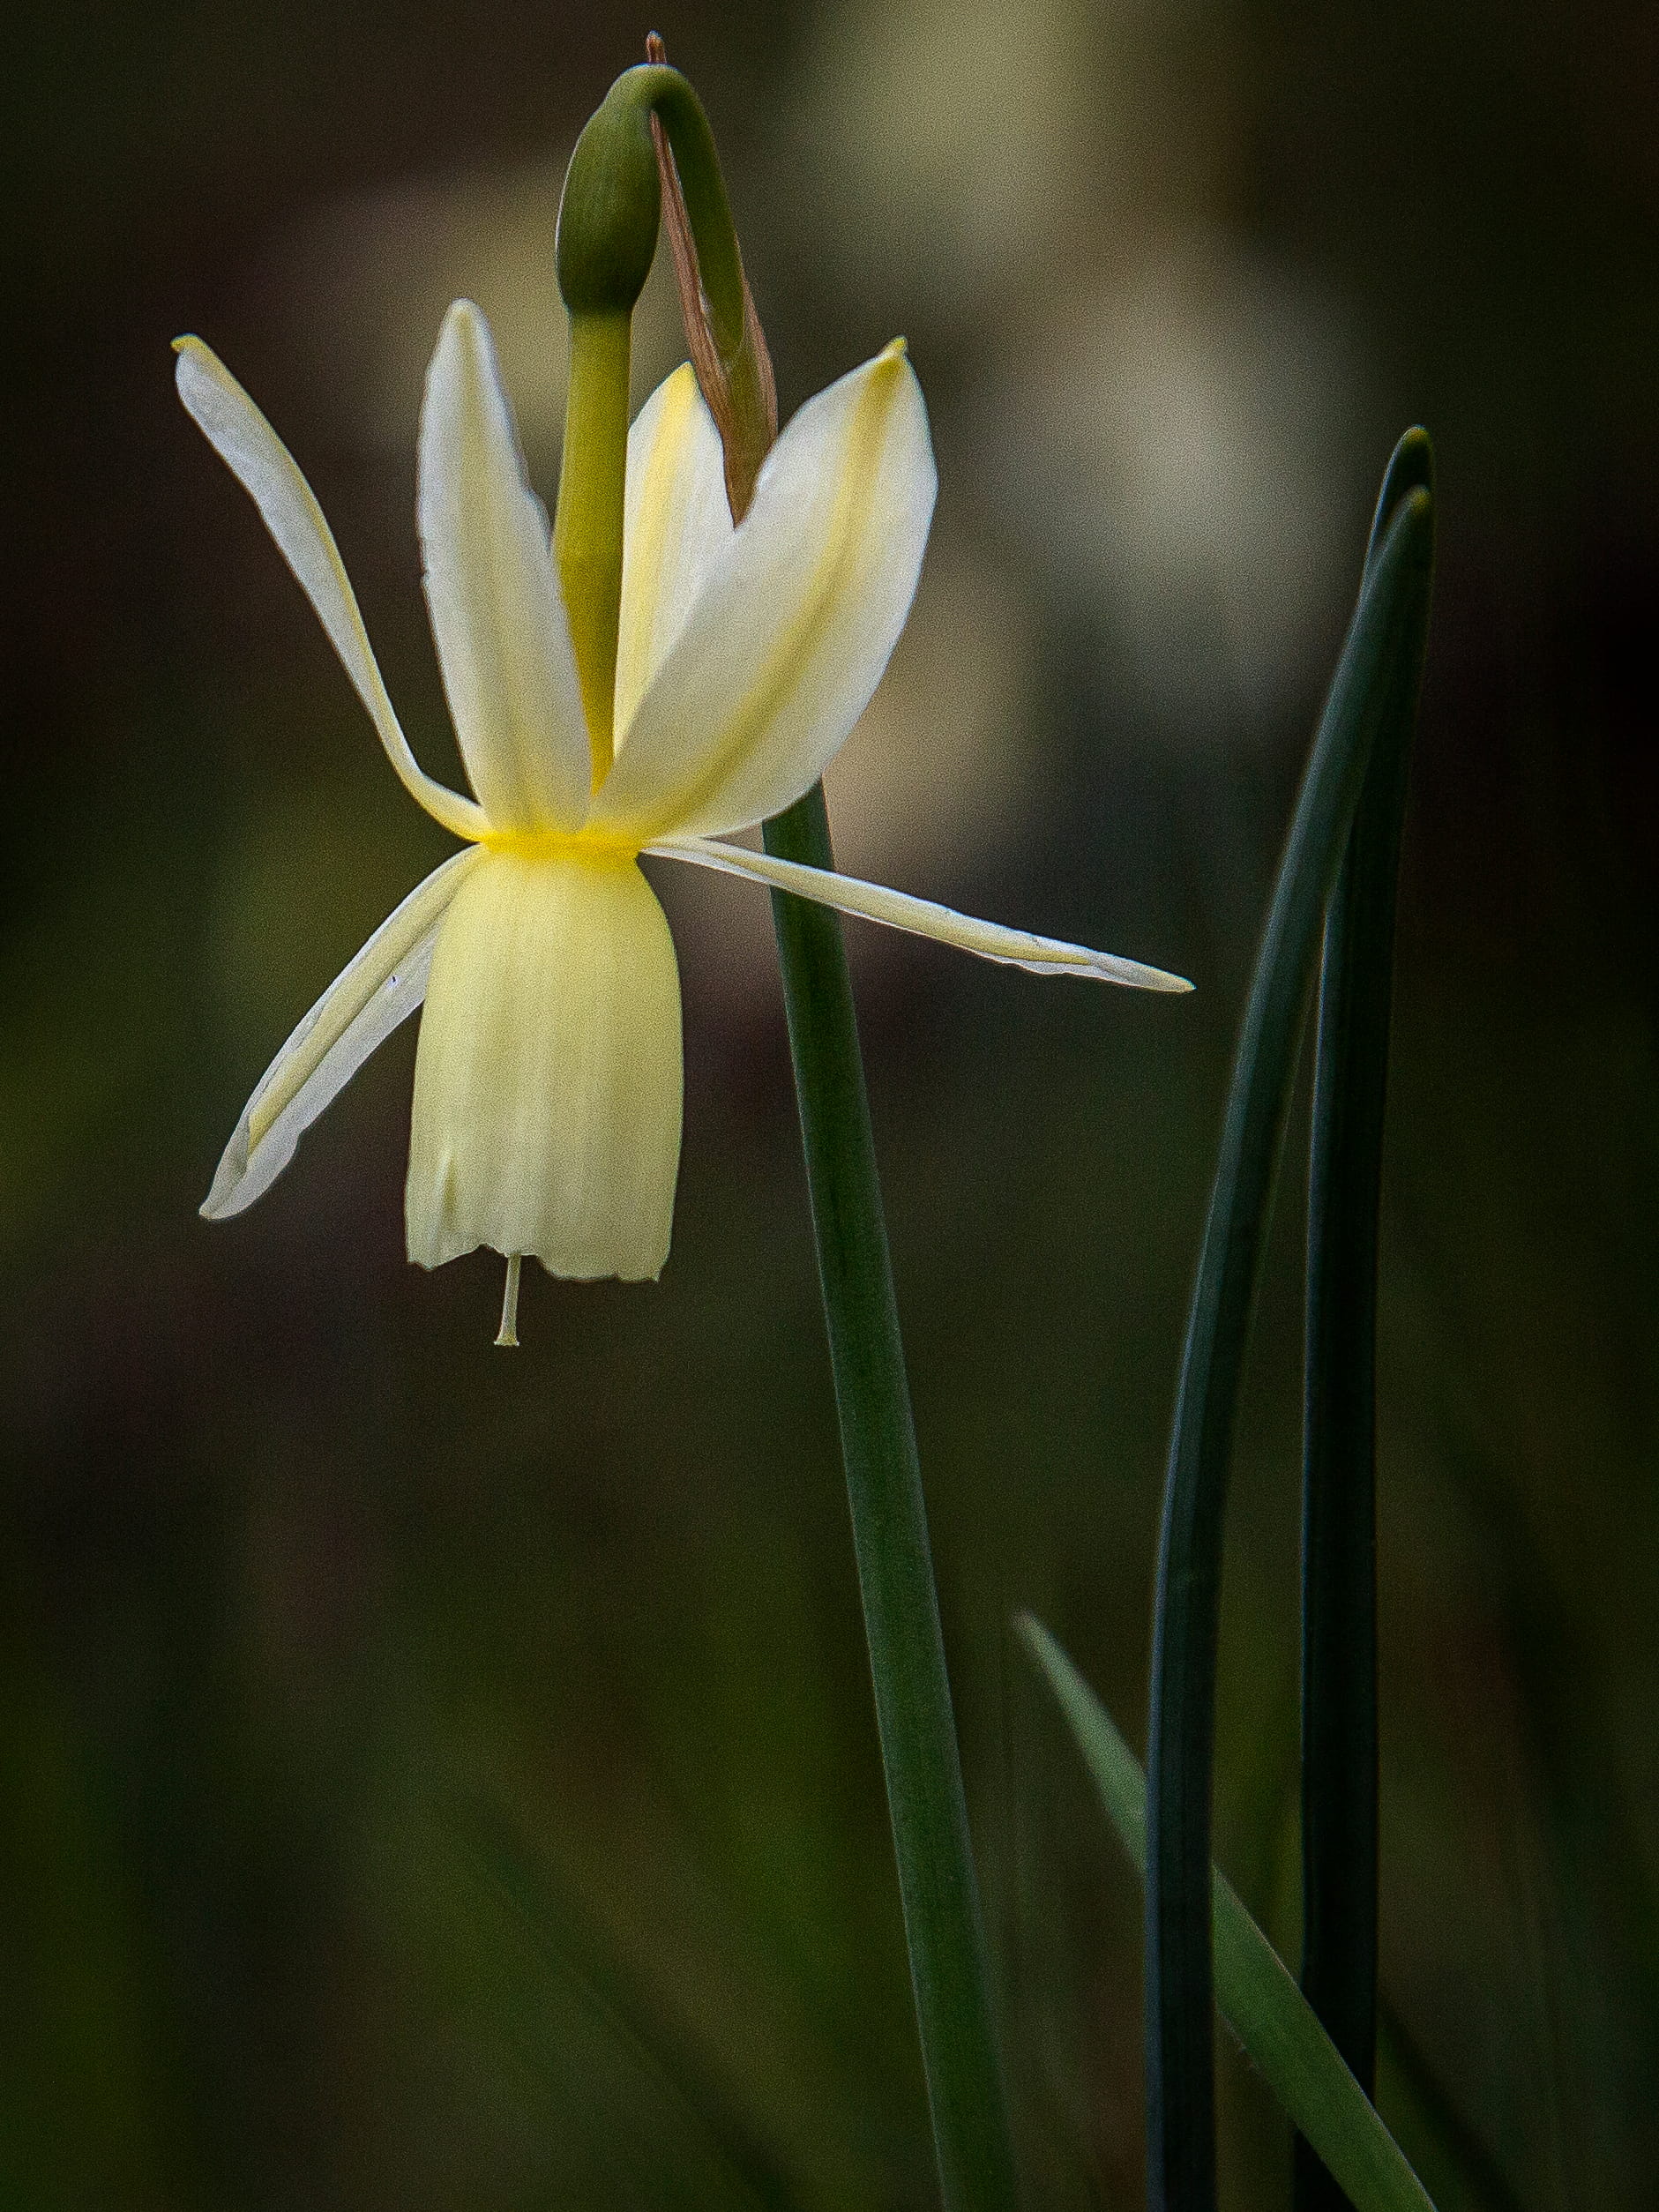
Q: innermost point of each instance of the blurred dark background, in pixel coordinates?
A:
(434, 1779)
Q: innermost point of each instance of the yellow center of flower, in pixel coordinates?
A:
(590, 847)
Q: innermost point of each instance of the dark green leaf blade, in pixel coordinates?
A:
(1180, 2063)
(1338, 1525)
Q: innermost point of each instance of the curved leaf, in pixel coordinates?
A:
(1254, 1989)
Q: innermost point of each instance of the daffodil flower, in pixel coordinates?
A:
(548, 1076)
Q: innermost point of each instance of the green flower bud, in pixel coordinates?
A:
(609, 219)
(609, 214)
(609, 209)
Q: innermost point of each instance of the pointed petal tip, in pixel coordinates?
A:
(194, 361)
(224, 1206)
(225, 1200)
(1105, 968)
(465, 316)
(464, 330)
(1109, 968)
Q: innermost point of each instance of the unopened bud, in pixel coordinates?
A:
(608, 210)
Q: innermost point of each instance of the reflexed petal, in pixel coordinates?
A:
(678, 524)
(360, 1009)
(547, 1084)
(790, 633)
(1043, 955)
(503, 638)
(265, 469)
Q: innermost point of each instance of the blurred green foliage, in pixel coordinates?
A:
(433, 1779)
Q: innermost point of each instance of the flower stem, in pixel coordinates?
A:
(588, 524)
(936, 1880)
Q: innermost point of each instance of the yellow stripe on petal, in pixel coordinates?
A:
(789, 637)
(548, 1079)
(678, 524)
(922, 917)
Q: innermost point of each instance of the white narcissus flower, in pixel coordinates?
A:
(547, 1078)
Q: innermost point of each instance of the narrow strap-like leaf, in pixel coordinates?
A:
(942, 1918)
(1339, 1523)
(1180, 2061)
(1269, 2014)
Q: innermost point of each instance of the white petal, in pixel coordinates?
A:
(265, 469)
(678, 524)
(790, 633)
(1043, 955)
(547, 1083)
(360, 1008)
(504, 640)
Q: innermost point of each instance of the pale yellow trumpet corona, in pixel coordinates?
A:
(548, 1076)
